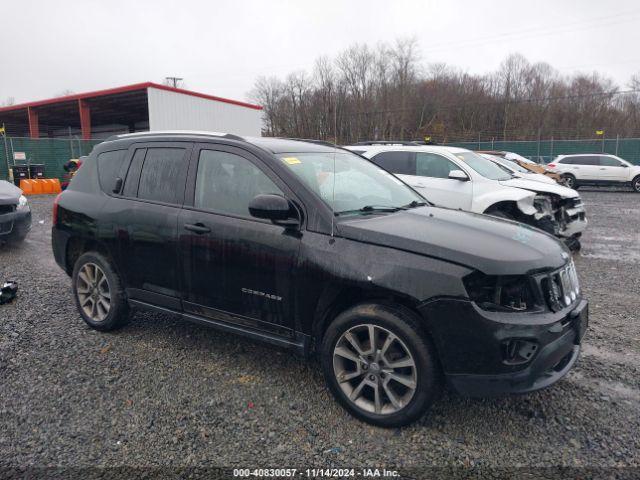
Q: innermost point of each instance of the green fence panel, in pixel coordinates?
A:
(627, 148)
(53, 153)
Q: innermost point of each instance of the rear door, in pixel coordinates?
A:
(147, 211)
(236, 268)
(584, 167)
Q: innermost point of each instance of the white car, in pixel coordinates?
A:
(459, 178)
(517, 170)
(596, 169)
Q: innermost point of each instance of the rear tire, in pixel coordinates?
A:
(98, 293)
(570, 181)
(389, 381)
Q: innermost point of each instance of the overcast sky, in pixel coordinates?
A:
(221, 46)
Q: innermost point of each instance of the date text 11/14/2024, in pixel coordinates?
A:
(316, 472)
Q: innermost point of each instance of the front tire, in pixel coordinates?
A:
(635, 184)
(379, 365)
(98, 293)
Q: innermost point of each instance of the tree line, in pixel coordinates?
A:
(386, 92)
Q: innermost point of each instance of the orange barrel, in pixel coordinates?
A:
(26, 187)
(36, 186)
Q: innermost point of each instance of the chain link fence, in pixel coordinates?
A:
(54, 152)
(546, 150)
(50, 152)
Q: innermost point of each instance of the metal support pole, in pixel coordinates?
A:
(6, 154)
(617, 142)
(551, 153)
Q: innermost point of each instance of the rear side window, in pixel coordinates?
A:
(401, 163)
(133, 177)
(226, 183)
(161, 171)
(585, 160)
(109, 165)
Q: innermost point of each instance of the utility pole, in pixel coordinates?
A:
(173, 81)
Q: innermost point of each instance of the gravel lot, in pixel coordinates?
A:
(166, 393)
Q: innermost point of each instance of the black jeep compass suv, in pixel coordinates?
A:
(319, 250)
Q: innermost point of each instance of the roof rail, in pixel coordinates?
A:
(153, 133)
(392, 142)
(310, 140)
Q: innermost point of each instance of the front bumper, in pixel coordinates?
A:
(472, 354)
(575, 222)
(15, 225)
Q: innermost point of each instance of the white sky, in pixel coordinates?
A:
(220, 47)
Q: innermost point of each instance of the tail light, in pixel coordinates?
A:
(55, 209)
(551, 165)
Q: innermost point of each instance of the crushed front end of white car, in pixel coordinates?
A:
(553, 208)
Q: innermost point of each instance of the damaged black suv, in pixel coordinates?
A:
(319, 250)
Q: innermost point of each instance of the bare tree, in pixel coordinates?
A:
(385, 93)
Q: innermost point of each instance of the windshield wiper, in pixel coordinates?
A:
(372, 209)
(415, 204)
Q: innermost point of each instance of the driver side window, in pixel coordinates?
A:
(226, 183)
(433, 165)
(609, 162)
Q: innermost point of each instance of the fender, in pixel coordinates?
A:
(523, 198)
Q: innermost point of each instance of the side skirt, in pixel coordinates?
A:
(300, 345)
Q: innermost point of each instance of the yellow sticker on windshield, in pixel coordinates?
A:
(291, 160)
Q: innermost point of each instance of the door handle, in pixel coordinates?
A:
(603, 168)
(198, 228)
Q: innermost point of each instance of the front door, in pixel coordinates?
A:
(236, 268)
(613, 170)
(432, 180)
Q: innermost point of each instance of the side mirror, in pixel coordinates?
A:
(624, 165)
(458, 175)
(272, 207)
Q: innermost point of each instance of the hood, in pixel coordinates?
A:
(9, 193)
(538, 177)
(540, 187)
(491, 245)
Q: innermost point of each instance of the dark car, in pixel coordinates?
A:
(316, 249)
(15, 214)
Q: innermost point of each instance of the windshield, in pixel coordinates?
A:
(506, 163)
(484, 167)
(357, 184)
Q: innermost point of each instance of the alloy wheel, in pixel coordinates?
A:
(569, 182)
(636, 185)
(375, 369)
(94, 294)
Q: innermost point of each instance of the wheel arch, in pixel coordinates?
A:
(77, 246)
(332, 304)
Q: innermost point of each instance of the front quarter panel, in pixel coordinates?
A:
(486, 196)
(329, 266)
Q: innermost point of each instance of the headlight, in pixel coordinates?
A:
(23, 203)
(506, 293)
(561, 288)
(543, 204)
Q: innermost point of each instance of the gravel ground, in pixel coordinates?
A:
(162, 392)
